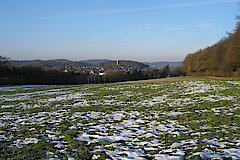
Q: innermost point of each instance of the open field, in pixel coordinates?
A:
(174, 118)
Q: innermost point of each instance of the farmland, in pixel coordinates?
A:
(175, 118)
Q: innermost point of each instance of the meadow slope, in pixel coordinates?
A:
(174, 118)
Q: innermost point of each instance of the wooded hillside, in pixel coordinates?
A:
(123, 63)
(221, 59)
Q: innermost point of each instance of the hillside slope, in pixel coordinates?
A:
(122, 63)
(189, 118)
(51, 64)
(94, 61)
(221, 59)
(162, 64)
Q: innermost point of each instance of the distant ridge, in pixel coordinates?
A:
(89, 61)
(39, 60)
(162, 64)
(61, 60)
(95, 61)
(122, 63)
(98, 62)
(25, 61)
(52, 64)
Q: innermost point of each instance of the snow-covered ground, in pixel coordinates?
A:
(161, 120)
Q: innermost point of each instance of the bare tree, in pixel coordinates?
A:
(4, 60)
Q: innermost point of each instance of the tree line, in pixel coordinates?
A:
(222, 59)
(26, 75)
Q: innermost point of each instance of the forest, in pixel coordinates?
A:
(221, 60)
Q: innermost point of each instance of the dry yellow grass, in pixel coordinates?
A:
(172, 79)
(169, 79)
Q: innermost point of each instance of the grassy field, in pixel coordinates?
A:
(173, 118)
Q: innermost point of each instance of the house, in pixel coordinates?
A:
(101, 73)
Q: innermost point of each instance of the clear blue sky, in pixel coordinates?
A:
(141, 30)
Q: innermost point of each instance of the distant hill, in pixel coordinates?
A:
(61, 60)
(94, 61)
(106, 63)
(53, 64)
(122, 64)
(90, 61)
(38, 60)
(25, 61)
(162, 64)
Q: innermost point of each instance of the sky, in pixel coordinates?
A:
(140, 30)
